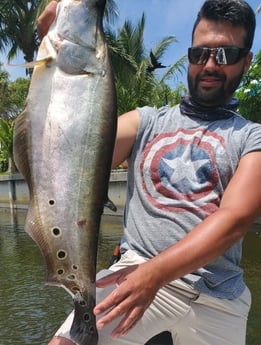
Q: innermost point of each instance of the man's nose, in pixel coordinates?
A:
(211, 62)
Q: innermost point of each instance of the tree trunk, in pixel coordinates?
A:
(11, 165)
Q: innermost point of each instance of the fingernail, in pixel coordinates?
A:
(100, 325)
(115, 335)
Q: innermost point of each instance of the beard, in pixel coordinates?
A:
(216, 96)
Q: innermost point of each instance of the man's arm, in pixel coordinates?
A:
(137, 286)
(240, 205)
(128, 125)
(46, 18)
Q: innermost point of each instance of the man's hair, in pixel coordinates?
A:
(236, 12)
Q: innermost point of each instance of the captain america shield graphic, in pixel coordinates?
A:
(178, 171)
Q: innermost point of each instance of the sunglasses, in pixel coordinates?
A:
(222, 55)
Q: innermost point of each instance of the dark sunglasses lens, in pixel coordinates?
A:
(198, 56)
(233, 55)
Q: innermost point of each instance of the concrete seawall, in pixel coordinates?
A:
(14, 192)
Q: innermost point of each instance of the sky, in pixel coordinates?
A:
(163, 18)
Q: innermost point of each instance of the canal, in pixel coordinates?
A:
(30, 312)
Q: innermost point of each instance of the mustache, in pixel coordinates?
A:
(220, 76)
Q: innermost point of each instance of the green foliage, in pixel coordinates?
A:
(249, 94)
(12, 102)
(4, 84)
(6, 135)
(6, 145)
(12, 95)
(18, 27)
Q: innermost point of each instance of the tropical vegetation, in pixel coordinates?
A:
(249, 93)
(12, 102)
(6, 146)
(136, 81)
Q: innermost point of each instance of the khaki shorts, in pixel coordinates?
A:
(191, 317)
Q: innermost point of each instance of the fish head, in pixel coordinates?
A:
(77, 22)
(79, 32)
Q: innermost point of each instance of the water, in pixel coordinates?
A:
(31, 312)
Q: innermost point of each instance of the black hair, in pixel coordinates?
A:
(236, 12)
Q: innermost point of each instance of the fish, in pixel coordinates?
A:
(63, 146)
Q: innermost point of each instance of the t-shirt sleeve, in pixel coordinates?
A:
(253, 139)
(146, 115)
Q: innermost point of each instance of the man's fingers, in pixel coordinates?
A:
(128, 322)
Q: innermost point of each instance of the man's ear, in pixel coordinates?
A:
(248, 61)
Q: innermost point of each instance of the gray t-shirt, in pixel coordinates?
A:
(178, 171)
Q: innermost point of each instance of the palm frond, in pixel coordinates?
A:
(163, 46)
(175, 70)
(258, 10)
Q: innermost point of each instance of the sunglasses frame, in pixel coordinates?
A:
(220, 54)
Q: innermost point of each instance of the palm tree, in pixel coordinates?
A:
(18, 29)
(136, 81)
(3, 93)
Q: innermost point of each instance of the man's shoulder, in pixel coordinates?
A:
(154, 112)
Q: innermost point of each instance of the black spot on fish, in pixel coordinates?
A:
(82, 303)
(75, 289)
(51, 202)
(86, 317)
(61, 254)
(71, 277)
(56, 231)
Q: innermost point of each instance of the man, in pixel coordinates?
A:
(193, 191)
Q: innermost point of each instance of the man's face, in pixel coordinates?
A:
(212, 84)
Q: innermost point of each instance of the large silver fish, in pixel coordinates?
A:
(63, 146)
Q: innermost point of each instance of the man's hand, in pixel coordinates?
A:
(137, 287)
(46, 18)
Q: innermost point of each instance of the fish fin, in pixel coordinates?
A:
(109, 204)
(20, 140)
(32, 64)
(83, 329)
(116, 255)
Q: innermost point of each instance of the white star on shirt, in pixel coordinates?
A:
(183, 170)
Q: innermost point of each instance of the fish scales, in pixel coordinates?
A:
(63, 146)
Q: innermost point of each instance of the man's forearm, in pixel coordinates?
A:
(202, 245)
